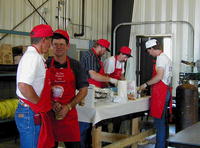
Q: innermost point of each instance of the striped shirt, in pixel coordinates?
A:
(89, 61)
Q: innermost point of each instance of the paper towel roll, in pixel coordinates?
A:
(122, 90)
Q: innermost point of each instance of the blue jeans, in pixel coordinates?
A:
(161, 126)
(29, 132)
(86, 138)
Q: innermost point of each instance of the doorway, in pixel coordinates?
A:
(144, 62)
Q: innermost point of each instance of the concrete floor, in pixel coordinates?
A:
(12, 144)
(9, 144)
(15, 143)
(152, 139)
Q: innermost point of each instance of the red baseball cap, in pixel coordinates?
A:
(125, 50)
(63, 33)
(41, 30)
(104, 43)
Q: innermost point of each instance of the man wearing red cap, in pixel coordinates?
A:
(92, 64)
(33, 90)
(67, 76)
(114, 66)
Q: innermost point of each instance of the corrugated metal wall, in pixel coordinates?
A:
(98, 15)
(181, 34)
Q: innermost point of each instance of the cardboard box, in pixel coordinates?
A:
(6, 56)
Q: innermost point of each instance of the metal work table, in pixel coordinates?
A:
(187, 138)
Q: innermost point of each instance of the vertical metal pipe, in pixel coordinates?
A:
(83, 17)
(65, 6)
(58, 14)
(67, 19)
(63, 9)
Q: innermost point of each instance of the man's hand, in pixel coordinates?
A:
(56, 106)
(63, 112)
(113, 81)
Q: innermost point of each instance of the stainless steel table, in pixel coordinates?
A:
(187, 138)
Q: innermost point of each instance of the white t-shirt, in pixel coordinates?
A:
(31, 70)
(109, 65)
(164, 62)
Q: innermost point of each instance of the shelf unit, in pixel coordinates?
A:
(8, 81)
(7, 84)
(8, 90)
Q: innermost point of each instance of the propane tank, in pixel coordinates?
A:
(186, 106)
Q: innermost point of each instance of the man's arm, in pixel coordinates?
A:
(80, 96)
(101, 78)
(98, 77)
(28, 92)
(155, 79)
(77, 99)
(122, 77)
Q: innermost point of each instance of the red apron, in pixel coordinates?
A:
(101, 71)
(117, 72)
(46, 138)
(158, 97)
(66, 129)
(154, 68)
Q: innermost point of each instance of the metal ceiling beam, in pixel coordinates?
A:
(14, 32)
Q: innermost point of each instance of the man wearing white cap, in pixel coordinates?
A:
(160, 90)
